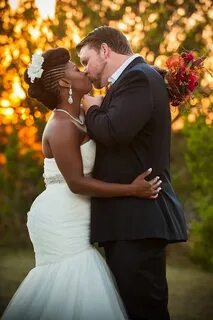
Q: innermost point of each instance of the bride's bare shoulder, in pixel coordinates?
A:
(58, 123)
(60, 131)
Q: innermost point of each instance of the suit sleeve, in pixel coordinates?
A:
(130, 109)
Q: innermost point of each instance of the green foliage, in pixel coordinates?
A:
(179, 171)
(21, 179)
(199, 159)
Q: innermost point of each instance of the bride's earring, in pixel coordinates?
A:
(70, 99)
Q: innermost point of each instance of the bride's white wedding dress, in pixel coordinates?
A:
(71, 280)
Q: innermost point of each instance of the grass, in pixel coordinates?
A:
(14, 266)
(190, 288)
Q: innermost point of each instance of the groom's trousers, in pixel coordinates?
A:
(139, 267)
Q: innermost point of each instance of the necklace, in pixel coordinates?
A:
(81, 122)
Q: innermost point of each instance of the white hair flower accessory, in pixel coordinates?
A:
(35, 68)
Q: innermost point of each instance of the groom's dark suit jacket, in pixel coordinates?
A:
(132, 131)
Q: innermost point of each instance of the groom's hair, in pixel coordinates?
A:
(114, 38)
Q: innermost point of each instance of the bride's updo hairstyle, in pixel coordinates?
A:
(46, 88)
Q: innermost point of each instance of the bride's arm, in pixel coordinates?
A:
(64, 140)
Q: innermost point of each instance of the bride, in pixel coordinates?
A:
(70, 279)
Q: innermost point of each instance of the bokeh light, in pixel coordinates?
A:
(29, 27)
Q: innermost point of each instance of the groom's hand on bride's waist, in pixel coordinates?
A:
(89, 101)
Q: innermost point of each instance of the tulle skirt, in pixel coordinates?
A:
(71, 280)
(77, 288)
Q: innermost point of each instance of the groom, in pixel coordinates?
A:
(131, 127)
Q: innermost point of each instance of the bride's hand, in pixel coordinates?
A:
(147, 189)
(89, 101)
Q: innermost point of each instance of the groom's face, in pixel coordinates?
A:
(94, 63)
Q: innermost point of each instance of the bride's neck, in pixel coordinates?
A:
(74, 108)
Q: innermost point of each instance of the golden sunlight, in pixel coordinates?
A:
(46, 7)
(65, 28)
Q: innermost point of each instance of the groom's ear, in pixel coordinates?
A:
(64, 83)
(105, 50)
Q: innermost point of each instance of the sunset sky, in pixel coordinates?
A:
(46, 7)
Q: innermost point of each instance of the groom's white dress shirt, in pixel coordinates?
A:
(119, 71)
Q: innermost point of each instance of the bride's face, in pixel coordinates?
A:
(79, 80)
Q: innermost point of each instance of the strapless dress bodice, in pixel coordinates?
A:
(52, 173)
(58, 221)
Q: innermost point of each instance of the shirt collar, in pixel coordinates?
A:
(119, 71)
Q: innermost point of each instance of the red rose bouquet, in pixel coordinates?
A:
(182, 76)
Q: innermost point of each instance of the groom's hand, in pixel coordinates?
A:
(89, 101)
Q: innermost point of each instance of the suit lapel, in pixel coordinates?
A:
(131, 65)
(115, 84)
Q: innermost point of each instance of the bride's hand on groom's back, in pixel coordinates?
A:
(147, 189)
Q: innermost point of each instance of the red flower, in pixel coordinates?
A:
(188, 56)
(182, 76)
(174, 62)
(192, 82)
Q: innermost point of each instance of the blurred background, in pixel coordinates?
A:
(155, 29)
